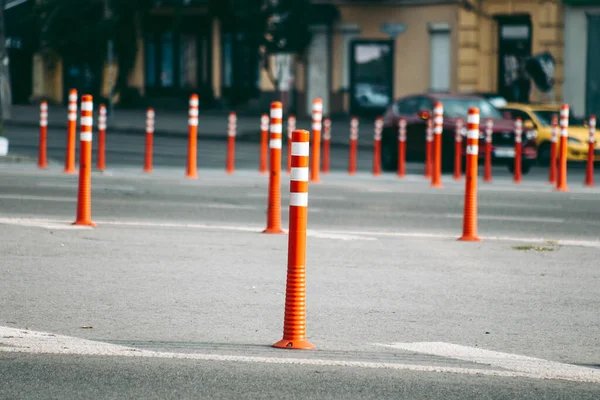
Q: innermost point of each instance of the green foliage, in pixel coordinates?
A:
(79, 30)
(280, 26)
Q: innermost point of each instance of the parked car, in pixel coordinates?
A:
(494, 98)
(417, 109)
(539, 117)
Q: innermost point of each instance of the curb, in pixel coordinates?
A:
(243, 136)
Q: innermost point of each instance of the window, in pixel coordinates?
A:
(439, 67)
(407, 106)
(150, 61)
(166, 60)
(188, 61)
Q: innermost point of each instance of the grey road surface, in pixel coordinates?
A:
(396, 306)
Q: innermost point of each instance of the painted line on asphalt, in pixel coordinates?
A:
(37, 198)
(326, 233)
(32, 342)
(96, 186)
(534, 367)
(549, 220)
(310, 197)
(530, 206)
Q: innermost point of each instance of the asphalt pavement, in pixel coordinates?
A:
(177, 294)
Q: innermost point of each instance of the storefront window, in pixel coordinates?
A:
(150, 61)
(188, 61)
(166, 76)
(372, 74)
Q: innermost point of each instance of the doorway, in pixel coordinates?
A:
(592, 96)
(514, 47)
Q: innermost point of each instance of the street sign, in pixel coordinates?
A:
(393, 28)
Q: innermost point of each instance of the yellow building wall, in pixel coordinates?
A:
(478, 42)
(47, 79)
(411, 50)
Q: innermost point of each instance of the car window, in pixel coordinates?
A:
(459, 107)
(408, 106)
(514, 114)
(424, 104)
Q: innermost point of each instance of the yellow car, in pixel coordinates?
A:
(538, 117)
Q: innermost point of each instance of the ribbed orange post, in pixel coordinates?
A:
(518, 149)
(42, 151)
(84, 192)
(274, 205)
(71, 133)
(264, 143)
(101, 156)
(377, 146)
(192, 158)
(294, 321)
(291, 127)
(428, 148)
(438, 119)
(470, 210)
(353, 146)
(317, 120)
(553, 151)
(149, 140)
(561, 184)
(489, 130)
(458, 149)
(402, 147)
(589, 176)
(326, 144)
(231, 130)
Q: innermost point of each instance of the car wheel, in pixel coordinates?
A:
(544, 154)
(389, 156)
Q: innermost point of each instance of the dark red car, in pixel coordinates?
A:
(418, 108)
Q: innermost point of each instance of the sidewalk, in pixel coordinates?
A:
(173, 123)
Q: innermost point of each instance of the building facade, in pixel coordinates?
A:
(363, 55)
(582, 56)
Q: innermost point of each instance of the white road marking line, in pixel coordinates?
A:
(532, 206)
(508, 218)
(336, 236)
(340, 234)
(310, 197)
(48, 224)
(534, 367)
(24, 341)
(37, 198)
(96, 186)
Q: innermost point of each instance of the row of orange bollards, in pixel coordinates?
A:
(433, 162)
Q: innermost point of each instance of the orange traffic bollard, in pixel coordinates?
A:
(489, 130)
(428, 147)
(264, 143)
(553, 151)
(353, 146)
(291, 127)
(438, 119)
(317, 120)
(294, 321)
(458, 149)
(472, 149)
(149, 140)
(402, 147)
(231, 130)
(42, 151)
(192, 158)
(71, 133)
(101, 157)
(274, 201)
(326, 144)
(561, 183)
(589, 176)
(84, 191)
(518, 149)
(377, 147)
